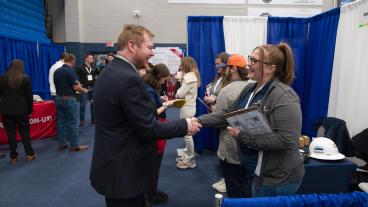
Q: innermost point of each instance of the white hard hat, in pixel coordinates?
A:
(324, 149)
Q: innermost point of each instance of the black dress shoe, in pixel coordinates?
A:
(159, 198)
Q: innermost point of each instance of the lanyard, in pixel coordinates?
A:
(89, 69)
(217, 84)
(252, 95)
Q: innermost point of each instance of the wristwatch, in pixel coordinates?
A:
(165, 106)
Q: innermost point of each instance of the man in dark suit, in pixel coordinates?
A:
(126, 128)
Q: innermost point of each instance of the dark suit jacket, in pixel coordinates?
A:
(16, 101)
(126, 129)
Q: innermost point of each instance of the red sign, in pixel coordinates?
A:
(42, 122)
(109, 44)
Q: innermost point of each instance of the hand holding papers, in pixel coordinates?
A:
(179, 103)
(233, 131)
(250, 120)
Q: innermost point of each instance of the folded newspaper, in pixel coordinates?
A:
(251, 120)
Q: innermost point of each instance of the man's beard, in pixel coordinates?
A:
(140, 62)
(227, 76)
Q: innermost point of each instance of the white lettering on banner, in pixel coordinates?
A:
(39, 120)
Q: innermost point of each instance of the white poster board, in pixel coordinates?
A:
(284, 12)
(206, 1)
(170, 56)
(288, 2)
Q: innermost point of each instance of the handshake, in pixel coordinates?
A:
(193, 126)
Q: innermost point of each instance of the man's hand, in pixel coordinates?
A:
(233, 131)
(193, 126)
(210, 99)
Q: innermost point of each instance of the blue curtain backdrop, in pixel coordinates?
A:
(37, 59)
(320, 53)
(355, 199)
(48, 55)
(205, 41)
(293, 31)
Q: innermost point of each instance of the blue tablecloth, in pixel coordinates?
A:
(327, 176)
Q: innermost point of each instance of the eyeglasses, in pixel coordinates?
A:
(252, 60)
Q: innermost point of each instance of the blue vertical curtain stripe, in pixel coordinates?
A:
(205, 41)
(48, 55)
(293, 31)
(320, 53)
(37, 59)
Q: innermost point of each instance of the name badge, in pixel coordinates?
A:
(89, 77)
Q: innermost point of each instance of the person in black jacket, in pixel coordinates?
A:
(87, 74)
(15, 107)
(126, 127)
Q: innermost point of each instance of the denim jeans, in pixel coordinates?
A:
(67, 120)
(278, 190)
(83, 103)
(248, 159)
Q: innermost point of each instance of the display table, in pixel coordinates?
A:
(42, 122)
(327, 176)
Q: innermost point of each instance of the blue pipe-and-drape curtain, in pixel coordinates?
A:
(205, 41)
(320, 53)
(37, 59)
(48, 55)
(355, 199)
(293, 31)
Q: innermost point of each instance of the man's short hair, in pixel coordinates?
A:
(69, 58)
(132, 32)
(110, 54)
(62, 56)
(87, 54)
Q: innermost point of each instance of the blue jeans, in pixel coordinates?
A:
(278, 190)
(67, 120)
(83, 102)
(248, 158)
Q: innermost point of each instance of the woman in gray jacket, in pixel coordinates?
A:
(272, 164)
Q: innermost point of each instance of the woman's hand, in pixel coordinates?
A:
(168, 103)
(164, 98)
(233, 131)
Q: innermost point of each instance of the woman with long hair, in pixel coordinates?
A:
(154, 77)
(188, 91)
(15, 107)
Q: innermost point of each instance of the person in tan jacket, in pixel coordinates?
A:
(188, 91)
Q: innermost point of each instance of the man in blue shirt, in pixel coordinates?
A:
(67, 116)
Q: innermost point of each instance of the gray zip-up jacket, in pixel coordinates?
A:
(281, 162)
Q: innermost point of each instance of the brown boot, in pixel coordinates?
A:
(31, 157)
(13, 161)
(79, 148)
